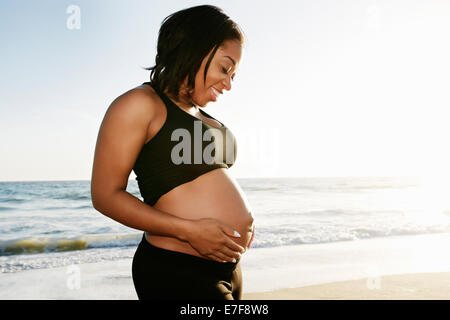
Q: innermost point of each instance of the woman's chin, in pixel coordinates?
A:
(203, 104)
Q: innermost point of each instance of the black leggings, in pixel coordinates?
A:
(161, 274)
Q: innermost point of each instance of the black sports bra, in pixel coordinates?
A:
(183, 149)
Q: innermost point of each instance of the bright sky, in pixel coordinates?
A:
(325, 88)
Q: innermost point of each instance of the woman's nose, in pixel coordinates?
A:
(227, 83)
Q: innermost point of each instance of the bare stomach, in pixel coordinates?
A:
(214, 194)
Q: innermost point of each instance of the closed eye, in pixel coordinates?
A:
(226, 72)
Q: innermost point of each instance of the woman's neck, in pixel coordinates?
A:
(184, 101)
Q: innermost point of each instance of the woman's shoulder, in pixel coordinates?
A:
(142, 102)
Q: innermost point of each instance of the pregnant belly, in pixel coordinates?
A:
(214, 194)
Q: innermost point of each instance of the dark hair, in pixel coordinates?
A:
(184, 40)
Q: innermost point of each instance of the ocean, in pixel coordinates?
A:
(45, 224)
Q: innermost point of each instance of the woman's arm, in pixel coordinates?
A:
(125, 208)
(122, 134)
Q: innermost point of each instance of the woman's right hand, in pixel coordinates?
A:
(211, 238)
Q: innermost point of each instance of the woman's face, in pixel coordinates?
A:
(220, 73)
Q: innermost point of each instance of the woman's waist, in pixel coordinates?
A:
(184, 257)
(243, 224)
(173, 244)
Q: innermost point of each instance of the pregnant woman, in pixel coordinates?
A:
(196, 220)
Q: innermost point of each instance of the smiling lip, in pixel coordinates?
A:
(215, 93)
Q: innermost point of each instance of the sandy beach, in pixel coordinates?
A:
(407, 267)
(416, 286)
